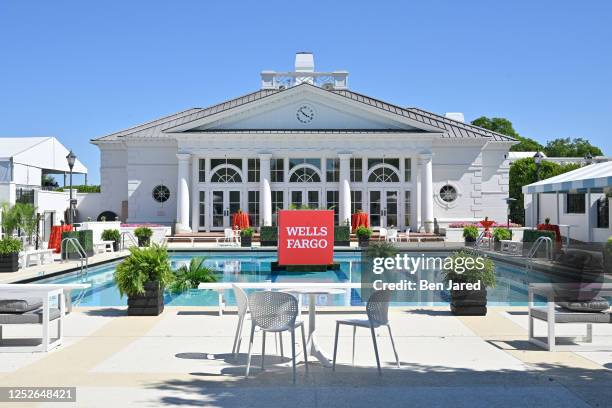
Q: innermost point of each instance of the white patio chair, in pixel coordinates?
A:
(275, 312)
(242, 301)
(382, 232)
(391, 235)
(228, 236)
(377, 309)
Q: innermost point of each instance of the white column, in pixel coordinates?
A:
(195, 193)
(182, 194)
(265, 193)
(427, 215)
(344, 212)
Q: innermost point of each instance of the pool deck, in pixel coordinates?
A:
(182, 358)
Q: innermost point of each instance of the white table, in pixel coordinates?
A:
(45, 292)
(312, 346)
(221, 287)
(567, 237)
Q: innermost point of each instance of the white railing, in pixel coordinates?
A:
(130, 236)
(536, 245)
(76, 245)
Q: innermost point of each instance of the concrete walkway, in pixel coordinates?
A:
(182, 358)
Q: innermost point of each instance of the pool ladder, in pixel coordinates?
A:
(79, 249)
(130, 236)
(539, 242)
(480, 240)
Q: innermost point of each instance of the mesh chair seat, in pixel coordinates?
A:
(356, 322)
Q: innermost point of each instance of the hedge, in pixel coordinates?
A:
(85, 238)
(533, 235)
(268, 236)
(342, 235)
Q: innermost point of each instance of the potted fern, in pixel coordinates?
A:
(468, 276)
(363, 235)
(142, 276)
(143, 234)
(246, 237)
(9, 246)
(190, 276)
(112, 235)
(499, 235)
(470, 234)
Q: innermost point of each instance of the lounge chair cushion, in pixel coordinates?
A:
(595, 305)
(32, 317)
(564, 316)
(9, 305)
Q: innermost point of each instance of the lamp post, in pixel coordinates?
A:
(537, 158)
(71, 158)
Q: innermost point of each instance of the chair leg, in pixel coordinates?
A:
(250, 350)
(335, 346)
(263, 348)
(393, 345)
(304, 347)
(238, 333)
(293, 351)
(375, 349)
(280, 340)
(354, 333)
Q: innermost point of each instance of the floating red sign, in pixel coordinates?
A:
(306, 237)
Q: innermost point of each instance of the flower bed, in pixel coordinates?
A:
(462, 224)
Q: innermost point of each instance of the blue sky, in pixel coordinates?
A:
(81, 69)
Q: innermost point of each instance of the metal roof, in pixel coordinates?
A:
(450, 127)
(43, 152)
(594, 176)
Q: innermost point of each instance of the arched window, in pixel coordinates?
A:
(226, 174)
(304, 174)
(383, 173)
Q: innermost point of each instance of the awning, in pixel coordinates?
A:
(595, 177)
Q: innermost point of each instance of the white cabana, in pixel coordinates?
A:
(43, 153)
(585, 186)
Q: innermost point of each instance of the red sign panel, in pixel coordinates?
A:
(305, 237)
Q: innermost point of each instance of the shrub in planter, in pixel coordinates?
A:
(470, 234)
(363, 235)
(246, 237)
(143, 234)
(190, 276)
(501, 234)
(466, 268)
(142, 276)
(112, 235)
(530, 236)
(269, 236)
(9, 254)
(342, 235)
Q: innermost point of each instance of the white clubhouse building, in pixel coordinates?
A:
(304, 139)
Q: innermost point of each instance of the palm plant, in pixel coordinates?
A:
(28, 219)
(190, 276)
(10, 218)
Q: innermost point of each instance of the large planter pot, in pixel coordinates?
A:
(469, 242)
(9, 262)
(269, 243)
(144, 242)
(364, 242)
(246, 242)
(497, 246)
(342, 243)
(469, 302)
(151, 303)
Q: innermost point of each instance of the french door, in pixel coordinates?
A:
(305, 197)
(384, 208)
(225, 203)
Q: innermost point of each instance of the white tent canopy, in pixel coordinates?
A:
(594, 176)
(45, 153)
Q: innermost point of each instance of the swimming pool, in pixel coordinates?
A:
(511, 289)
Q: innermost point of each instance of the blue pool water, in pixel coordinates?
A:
(511, 289)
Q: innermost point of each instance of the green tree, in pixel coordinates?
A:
(504, 126)
(523, 172)
(566, 147)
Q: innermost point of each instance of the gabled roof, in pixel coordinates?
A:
(450, 127)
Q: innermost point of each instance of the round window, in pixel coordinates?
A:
(448, 193)
(161, 193)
